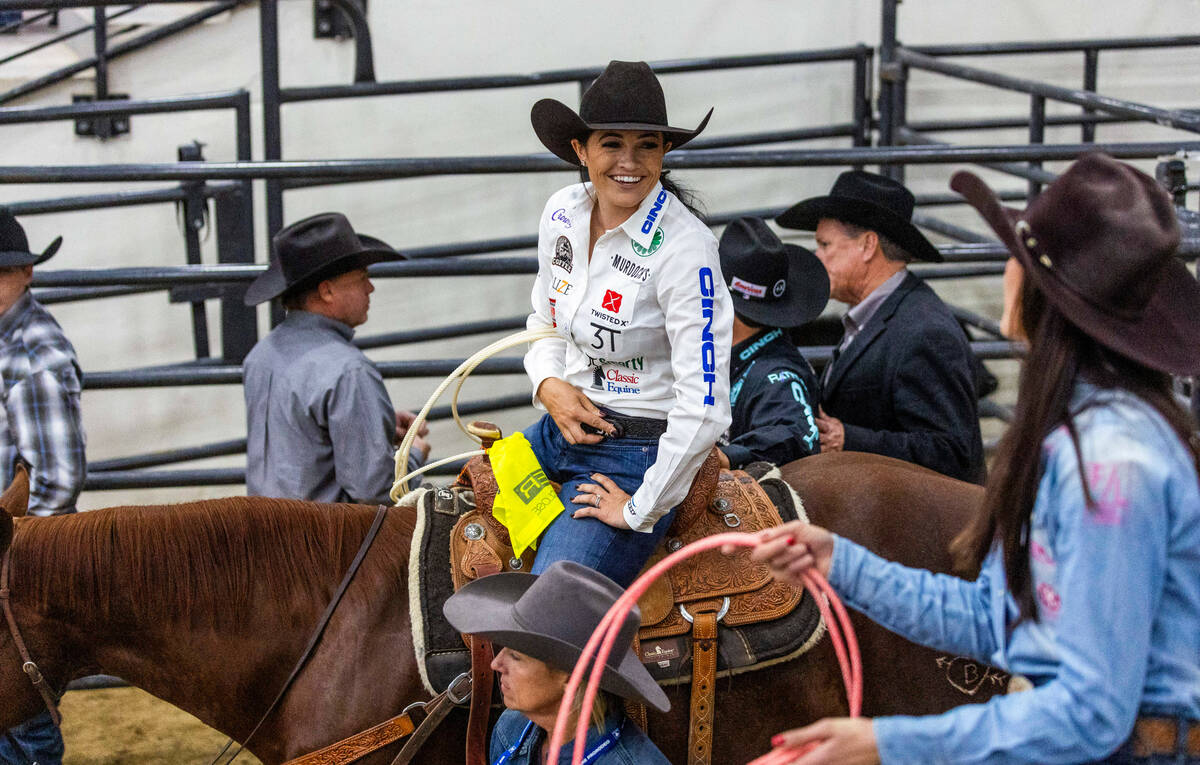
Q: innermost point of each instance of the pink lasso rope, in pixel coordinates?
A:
(600, 645)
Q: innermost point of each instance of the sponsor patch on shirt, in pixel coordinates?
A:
(627, 267)
(561, 286)
(560, 215)
(563, 257)
(656, 242)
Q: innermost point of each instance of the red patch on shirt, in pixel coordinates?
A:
(1040, 553)
(612, 301)
(1106, 481)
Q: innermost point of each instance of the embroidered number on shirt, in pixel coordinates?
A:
(612, 337)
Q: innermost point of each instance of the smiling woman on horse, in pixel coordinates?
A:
(1090, 539)
(636, 382)
(543, 623)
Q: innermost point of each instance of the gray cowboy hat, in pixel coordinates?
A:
(626, 96)
(870, 200)
(14, 245)
(1100, 244)
(323, 244)
(550, 617)
(772, 284)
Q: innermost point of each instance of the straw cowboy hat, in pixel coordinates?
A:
(321, 244)
(14, 246)
(626, 96)
(550, 617)
(772, 284)
(1100, 243)
(872, 201)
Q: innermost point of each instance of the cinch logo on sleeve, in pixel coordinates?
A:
(708, 349)
(648, 224)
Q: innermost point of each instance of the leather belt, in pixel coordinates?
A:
(629, 426)
(1165, 736)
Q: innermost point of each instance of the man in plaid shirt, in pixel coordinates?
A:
(39, 423)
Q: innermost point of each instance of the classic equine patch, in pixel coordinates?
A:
(562, 254)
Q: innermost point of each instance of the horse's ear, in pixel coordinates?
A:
(15, 499)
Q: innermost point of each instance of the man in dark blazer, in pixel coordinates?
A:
(901, 381)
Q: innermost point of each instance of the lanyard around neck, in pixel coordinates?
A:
(593, 754)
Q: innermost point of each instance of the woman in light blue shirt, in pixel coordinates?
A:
(1090, 541)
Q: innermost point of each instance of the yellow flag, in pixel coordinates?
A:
(526, 502)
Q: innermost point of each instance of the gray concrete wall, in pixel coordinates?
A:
(428, 39)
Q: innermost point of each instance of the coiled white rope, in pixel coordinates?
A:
(400, 486)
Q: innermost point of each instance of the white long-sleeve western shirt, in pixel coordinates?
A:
(644, 328)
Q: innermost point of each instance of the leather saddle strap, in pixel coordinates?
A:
(481, 691)
(481, 701)
(704, 687)
(435, 712)
(636, 710)
(380, 514)
(27, 664)
(360, 744)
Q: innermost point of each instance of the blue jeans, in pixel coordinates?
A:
(619, 554)
(37, 740)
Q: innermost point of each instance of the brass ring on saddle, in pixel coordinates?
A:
(720, 614)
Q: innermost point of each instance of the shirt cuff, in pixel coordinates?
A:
(636, 521)
(738, 455)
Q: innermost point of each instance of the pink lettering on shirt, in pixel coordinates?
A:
(1106, 480)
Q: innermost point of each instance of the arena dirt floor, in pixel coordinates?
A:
(122, 726)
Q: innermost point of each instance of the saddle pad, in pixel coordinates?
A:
(441, 654)
(745, 647)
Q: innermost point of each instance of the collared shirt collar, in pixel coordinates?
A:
(745, 351)
(12, 317)
(857, 317)
(309, 320)
(642, 225)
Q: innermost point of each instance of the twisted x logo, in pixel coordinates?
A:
(612, 301)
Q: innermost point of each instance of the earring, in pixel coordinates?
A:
(582, 163)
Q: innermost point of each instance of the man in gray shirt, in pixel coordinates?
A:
(320, 425)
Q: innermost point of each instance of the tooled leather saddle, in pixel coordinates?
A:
(712, 615)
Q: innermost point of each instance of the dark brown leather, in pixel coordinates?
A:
(1160, 736)
(481, 700)
(704, 684)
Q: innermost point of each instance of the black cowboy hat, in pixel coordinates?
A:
(872, 201)
(1100, 243)
(772, 284)
(626, 96)
(323, 244)
(14, 245)
(550, 617)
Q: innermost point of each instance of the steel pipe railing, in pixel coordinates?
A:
(372, 169)
(1180, 120)
(59, 38)
(118, 199)
(1058, 46)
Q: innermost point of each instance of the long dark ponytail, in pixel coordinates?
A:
(1059, 354)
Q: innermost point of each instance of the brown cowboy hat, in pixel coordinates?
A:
(626, 96)
(870, 200)
(1100, 243)
(550, 617)
(321, 244)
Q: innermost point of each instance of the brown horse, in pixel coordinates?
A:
(208, 604)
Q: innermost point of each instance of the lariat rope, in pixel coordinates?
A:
(400, 486)
(841, 633)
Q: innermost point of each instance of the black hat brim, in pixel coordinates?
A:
(273, 282)
(556, 124)
(13, 259)
(1165, 336)
(807, 295)
(486, 609)
(807, 214)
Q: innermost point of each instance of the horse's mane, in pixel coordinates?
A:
(199, 562)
